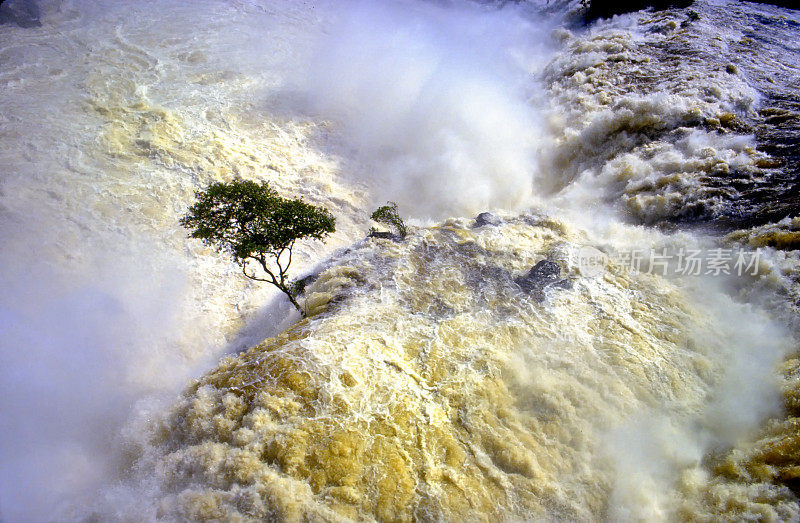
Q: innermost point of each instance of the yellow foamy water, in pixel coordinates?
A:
(426, 385)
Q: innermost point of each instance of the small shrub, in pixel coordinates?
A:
(388, 215)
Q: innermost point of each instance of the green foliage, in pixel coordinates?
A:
(256, 225)
(388, 215)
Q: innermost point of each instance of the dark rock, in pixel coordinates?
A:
(788, 4)
(544, 274)
(598, 9)
(24, 13)
(486, 218)
(299, 285)
(565, 284)
(386, 235)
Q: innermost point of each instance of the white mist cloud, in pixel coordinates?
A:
(653, 447)
(78, 348)
(432, 102)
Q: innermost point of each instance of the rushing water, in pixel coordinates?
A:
(431, 381)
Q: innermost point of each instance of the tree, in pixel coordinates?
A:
(388, 215)
(256, 225)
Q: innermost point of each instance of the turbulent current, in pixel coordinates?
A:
(615, 337)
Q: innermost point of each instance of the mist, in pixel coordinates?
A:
(432, 103)
(79, 346)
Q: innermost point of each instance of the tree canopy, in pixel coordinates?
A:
(256, 225)
(388, 215)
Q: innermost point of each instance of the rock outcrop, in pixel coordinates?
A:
(608, 9)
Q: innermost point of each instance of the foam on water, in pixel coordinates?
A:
(111, 117)
(426, 383)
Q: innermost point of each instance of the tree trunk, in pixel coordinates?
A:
(294, 301)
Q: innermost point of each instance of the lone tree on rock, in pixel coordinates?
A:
(257, 226)
(388, 215)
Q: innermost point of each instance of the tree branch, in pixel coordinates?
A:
(253, 277)
(291, 246)
(281, 269)
(281, 285)
(263, 264)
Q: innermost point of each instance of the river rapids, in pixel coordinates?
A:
(594, 315)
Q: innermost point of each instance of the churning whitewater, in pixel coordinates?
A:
(593, 315)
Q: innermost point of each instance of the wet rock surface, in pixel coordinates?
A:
(301, 284)
(386, 235)
(486, 218)
(608, 9)
(543, 275)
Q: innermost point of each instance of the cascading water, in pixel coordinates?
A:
(433, 379)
